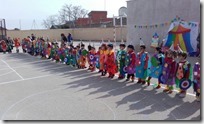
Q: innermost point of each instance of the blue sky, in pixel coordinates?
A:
(28, 10)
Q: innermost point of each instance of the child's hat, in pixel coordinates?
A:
(110, 45)
(131, 47)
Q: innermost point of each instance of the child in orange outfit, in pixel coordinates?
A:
(17, 44)
(111, 62)
(102, 59)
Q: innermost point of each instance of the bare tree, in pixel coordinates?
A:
(72, 13)
(65, 14)
(68, 13)
(51, 20)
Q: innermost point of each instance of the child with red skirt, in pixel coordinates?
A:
(111, 62)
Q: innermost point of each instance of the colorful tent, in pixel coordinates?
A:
(180, 36)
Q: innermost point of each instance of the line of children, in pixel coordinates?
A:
(129, 64)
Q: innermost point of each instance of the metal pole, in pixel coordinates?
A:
(1, 26)
(5, 28)
(20, 24)
(121, 24)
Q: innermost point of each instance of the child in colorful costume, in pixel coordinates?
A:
(17, 44)
(37, 45)
(196, 80)
(88, 56)
(168, 72)
(78, 55)
(121, 57)
(48, 51)
(97, 59)
(10, 44)
(182, 73)
(24, 43)
(83, 55)
(111, 62)
(156, 65)
(3, 46)
(142, 64)
(43, 49)
(92, 59)
(73, 57)
(130, 63)
(58, 53)
(102, 59)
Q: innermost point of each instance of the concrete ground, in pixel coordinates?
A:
(38, 89)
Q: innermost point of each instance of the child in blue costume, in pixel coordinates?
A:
(78, 56)
(141, 65)
(121, 57)
(157, 64)
(73, 57)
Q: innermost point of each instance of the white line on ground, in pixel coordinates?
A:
(114, 115)
(3, 115)
(25, 79)
(3, 83)
(25, 65)
(14, 60)
(13, 69)
(7, 73)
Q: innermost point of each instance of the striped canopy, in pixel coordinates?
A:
(179, 35)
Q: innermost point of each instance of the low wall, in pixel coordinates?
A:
(94, 34)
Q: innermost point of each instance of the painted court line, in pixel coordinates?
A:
(6, 73)
(14, 60)
(26, 64)
(38, 77)
(4, 114)
(25, 79)
(13, 69)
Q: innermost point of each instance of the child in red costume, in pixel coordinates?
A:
(3, 46)
(111, 62)
(17, 44)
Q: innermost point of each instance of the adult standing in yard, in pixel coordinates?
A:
(33, 37)
(69, 38)
(63, 39)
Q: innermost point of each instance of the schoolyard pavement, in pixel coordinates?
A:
(38, 89)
